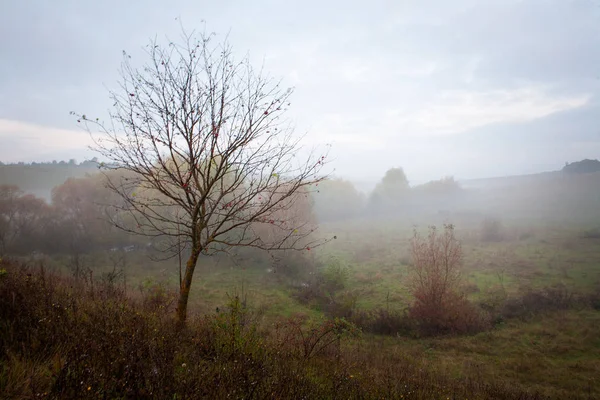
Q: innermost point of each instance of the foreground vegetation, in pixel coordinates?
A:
(68, 339)
(332, 323)
(335, 321)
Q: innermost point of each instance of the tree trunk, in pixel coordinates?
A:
(184, 288)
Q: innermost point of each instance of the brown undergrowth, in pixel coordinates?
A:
(62, 338)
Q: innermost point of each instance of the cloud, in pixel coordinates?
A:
(458, 111)
(344, 133)
(24, 141)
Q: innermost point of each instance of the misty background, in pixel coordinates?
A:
(469, 89)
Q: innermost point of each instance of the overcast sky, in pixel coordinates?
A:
(469, 88)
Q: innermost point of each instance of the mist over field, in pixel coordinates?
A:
(316, 200)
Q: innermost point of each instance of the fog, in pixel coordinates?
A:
(472, 90)
(61, 207)
(315, 199)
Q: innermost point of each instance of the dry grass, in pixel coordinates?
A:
(65, 339)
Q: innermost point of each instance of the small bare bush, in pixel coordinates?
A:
(440, 307)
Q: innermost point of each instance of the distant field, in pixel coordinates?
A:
(377, 257)
(555, 353)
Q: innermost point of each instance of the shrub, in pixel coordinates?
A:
(592, 234)
(342, 305)
(334, 276)
(533, 302)
(306, 339)
(457, 315)
(323, 291)
(383, 321)
(234, 330)
(156, 295)
(439, 306)
(294, 266)
(491, 230)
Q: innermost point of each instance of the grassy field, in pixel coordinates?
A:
(555, 353)
(377, 257)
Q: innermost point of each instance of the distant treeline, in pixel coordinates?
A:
(74, 218)
(62, 207)
(39, 178)
(582, 167)
(74, 222)
(337, 199)
(71, 162)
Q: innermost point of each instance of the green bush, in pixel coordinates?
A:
(325, 292)
(334, 276)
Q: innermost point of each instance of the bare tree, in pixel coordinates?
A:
(436, 263)
(205, 155)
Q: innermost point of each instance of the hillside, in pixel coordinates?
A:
(579, 167)
(505, 181)
(40, 178)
